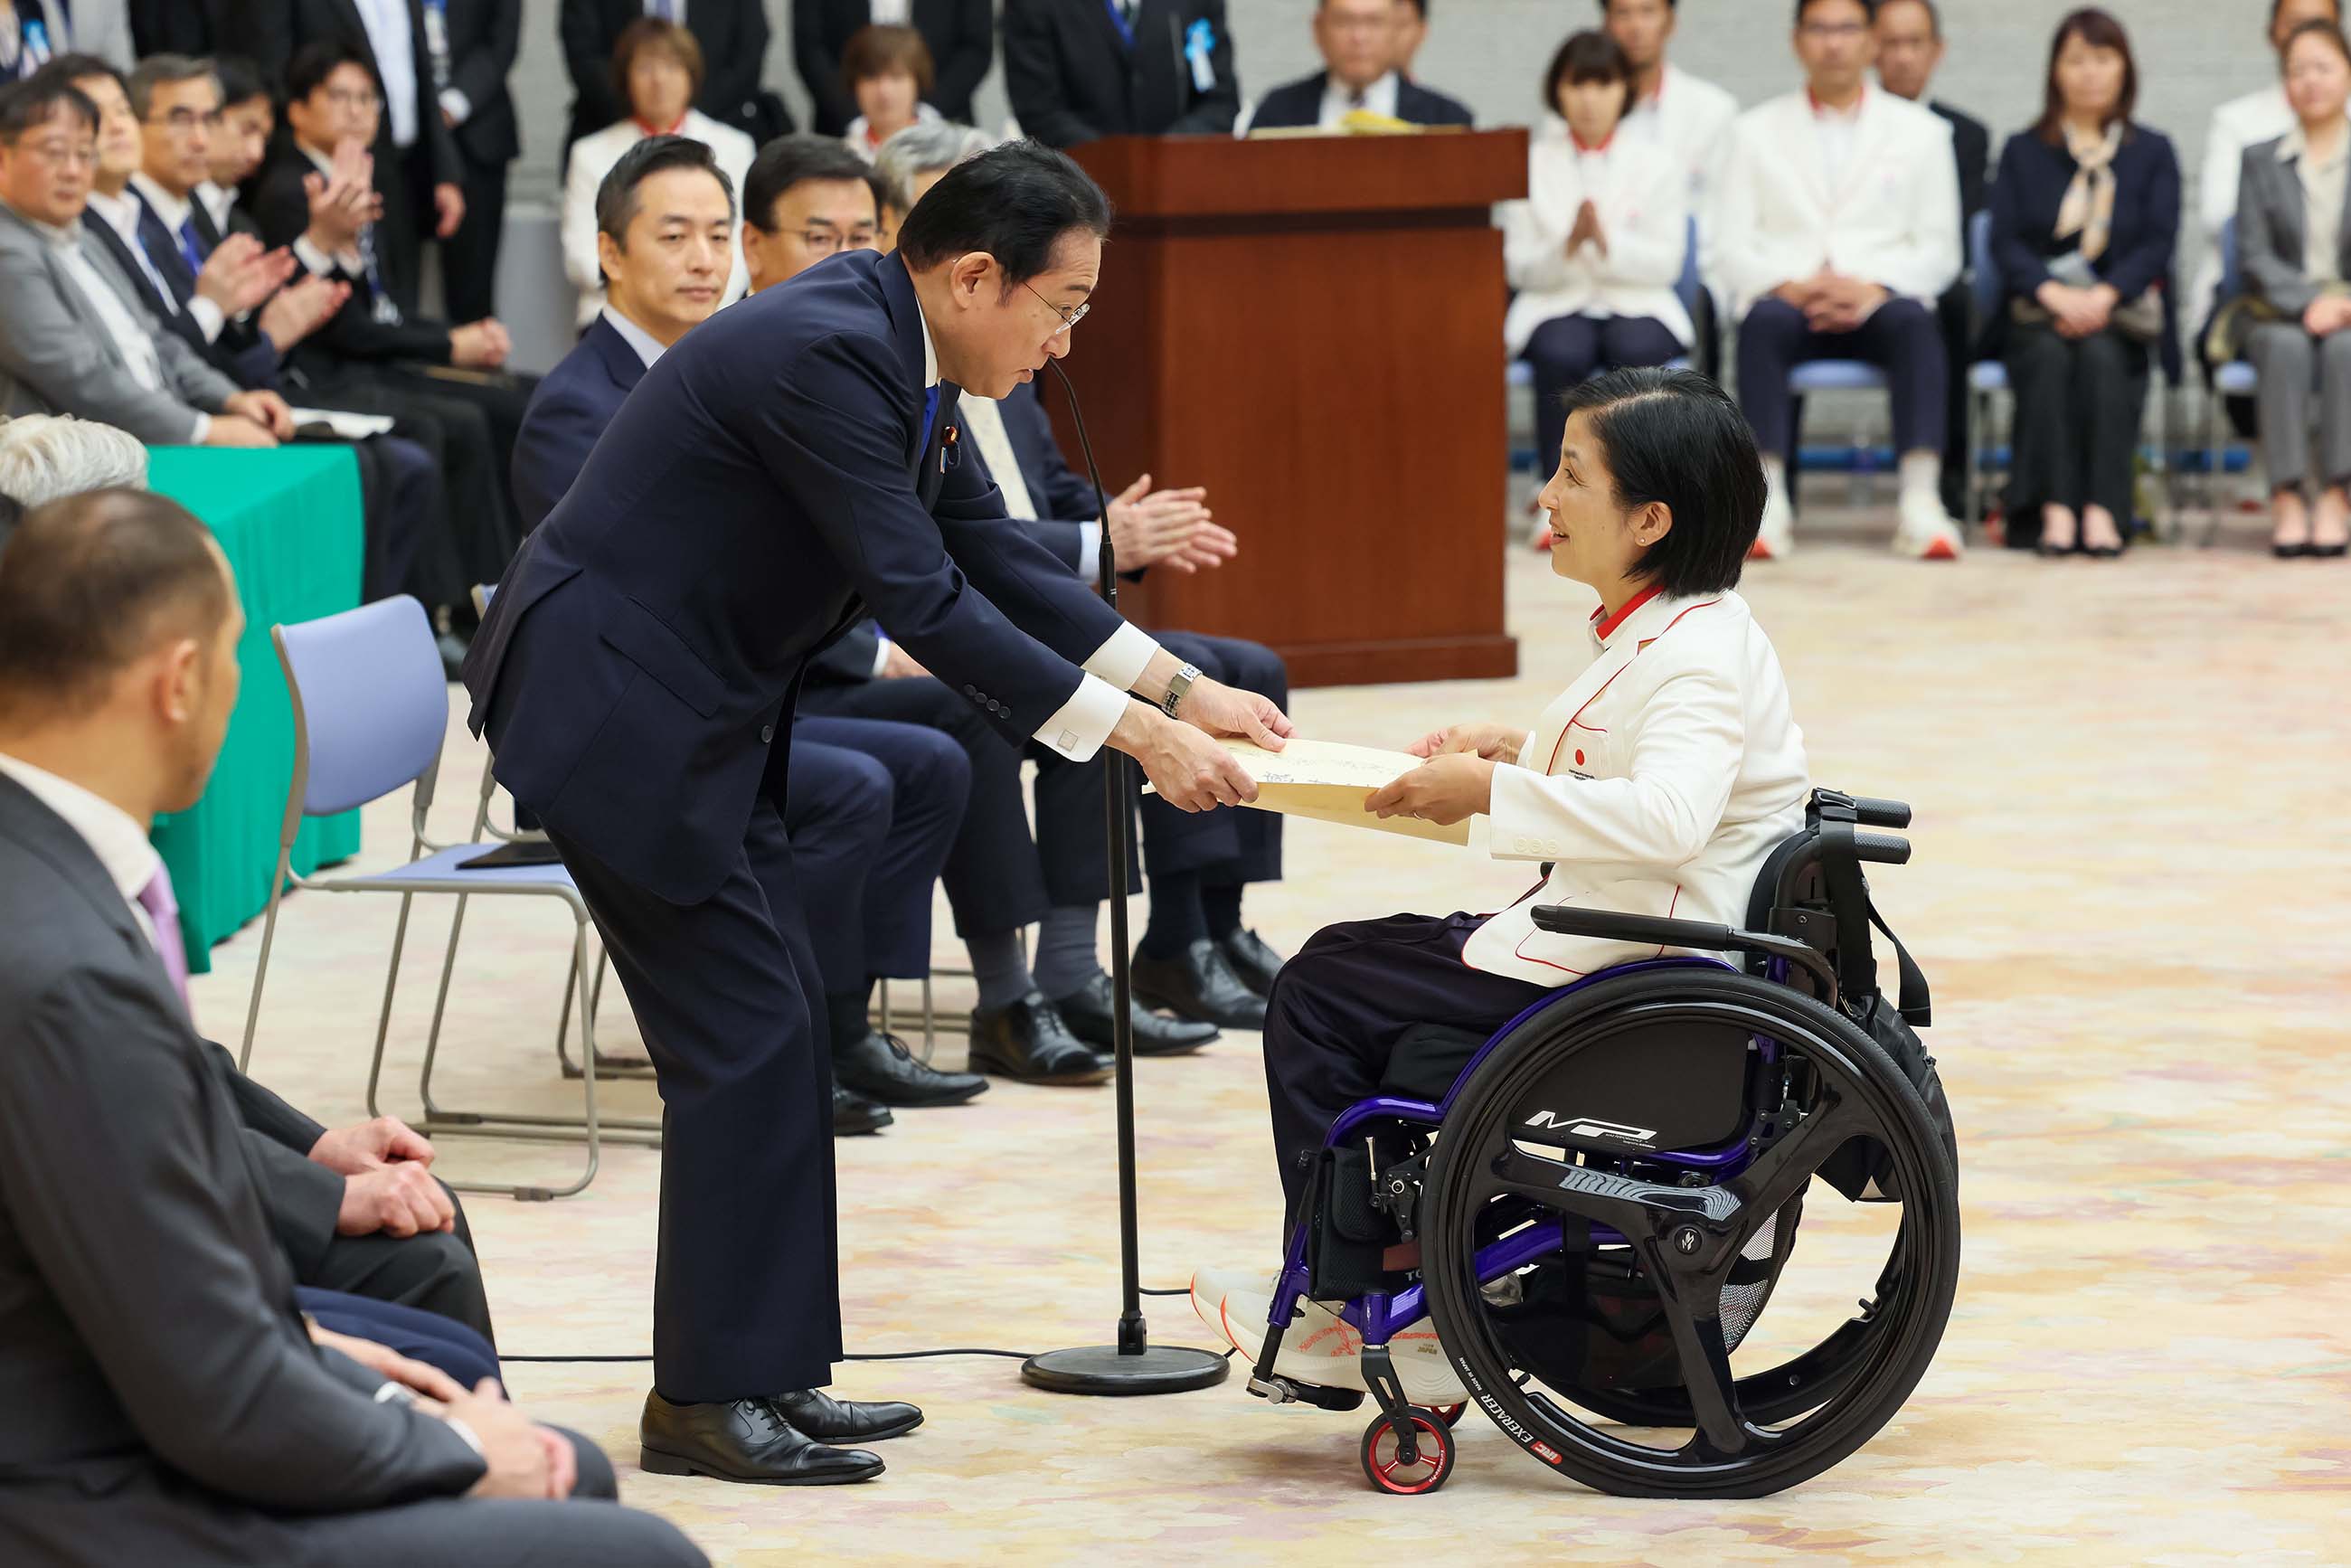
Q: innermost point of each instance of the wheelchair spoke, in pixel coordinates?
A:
(1693, 1305)
(1781, 1170)
(1632, 1208)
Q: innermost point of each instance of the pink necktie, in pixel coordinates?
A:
(156, 899)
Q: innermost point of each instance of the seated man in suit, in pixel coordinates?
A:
(168, 1403)
(248, 118)
(1079, 69)
(1363, 72)
(664, 245)
(1836, 228)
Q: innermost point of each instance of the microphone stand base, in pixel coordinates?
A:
(1105, 1369)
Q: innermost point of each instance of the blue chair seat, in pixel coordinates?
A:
(2235, 380)
(1522, 374)
(1836, 375)
(442, 870)
(1988, 376)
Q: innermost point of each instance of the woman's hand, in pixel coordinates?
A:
(1445, 790)
(1494, 742)
(2327, 315)
(1587, 229)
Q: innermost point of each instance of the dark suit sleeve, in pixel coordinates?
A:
(588, 56)
(551, 445)
(304, 1197)
(481, 72)
(1214, 111)
(1971, 144)
(966, 65)
(734, 77)
(820, 66)
(263, 1111)
(284, 212)
(2016, 239)
(260, 30)
(848, 660)
(115, 1191)
(2136, 270)
(1032, 77)
(440, 142)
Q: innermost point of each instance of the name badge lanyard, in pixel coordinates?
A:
(436, 42)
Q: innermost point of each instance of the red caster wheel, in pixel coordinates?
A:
(1433, 1443)
(1452, 1413)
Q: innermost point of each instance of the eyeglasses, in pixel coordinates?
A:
(1835, 31)
(1069, 318)
(344, 98)
(58, 152)
(824, 242)
(179, 121)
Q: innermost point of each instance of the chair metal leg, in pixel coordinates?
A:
(261, 968)
(930, 1024)
(383, 1017)
(613, 1066)
(441, 1000)
(2211, 471)
(883, 996)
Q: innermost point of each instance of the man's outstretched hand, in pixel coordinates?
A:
(1221, 709)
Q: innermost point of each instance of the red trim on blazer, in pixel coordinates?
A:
(1520, 953)
(1611, 681)
(1607, 629)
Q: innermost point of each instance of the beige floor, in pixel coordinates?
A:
(2132, 887)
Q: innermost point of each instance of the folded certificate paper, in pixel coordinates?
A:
(1329, 781)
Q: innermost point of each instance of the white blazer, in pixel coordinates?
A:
(1689, 118)
(1645, 211)
(1894, 217)
(2240, 123)
(1657, 782)
(592, 157)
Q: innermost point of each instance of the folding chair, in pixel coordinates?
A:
(2235, 379)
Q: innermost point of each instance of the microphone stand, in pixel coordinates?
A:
(1133, 1365)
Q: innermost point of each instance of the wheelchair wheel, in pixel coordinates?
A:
(1451, 1413)
(1433, 1441)
(1667, 1237)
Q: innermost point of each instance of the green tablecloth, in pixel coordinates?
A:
(288, 522)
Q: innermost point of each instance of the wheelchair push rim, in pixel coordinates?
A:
(1749, 1435)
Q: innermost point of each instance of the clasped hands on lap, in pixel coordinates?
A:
(1832, 302)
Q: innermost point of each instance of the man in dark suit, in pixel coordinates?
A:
(1079, 69)
(665, 219)
(422, 175)
(960, 35)
(796, 458)
(1909, 48)
(167, 1403)
(1363, 72)
(733, 38)
(472, 46)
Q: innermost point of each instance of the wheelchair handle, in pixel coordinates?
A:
(1650, 930)
(1882, 848)
(1872, 813)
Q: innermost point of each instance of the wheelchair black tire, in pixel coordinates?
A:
(1859, 1387)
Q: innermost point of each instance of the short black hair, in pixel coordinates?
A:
(616, 198)
(319, 58)
(1670, 6)
(34, 101)
(79, 66)
(2277, 9)
(87, 584)
(157, 70)
(1588, 56)
(787, 161)
(1869, 9)
(1934, 16)
(1675, 437)
(1014, 202)
(240, 79)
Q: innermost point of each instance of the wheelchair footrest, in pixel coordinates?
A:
(1284, 1390)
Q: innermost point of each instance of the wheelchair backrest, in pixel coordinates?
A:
(1812, 888)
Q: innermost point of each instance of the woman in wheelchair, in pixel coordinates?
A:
(1657, 785)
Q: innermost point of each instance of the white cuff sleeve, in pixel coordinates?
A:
(1078, 730)
(463, 1430)
(203, 433)
(1121, 661)
(311, 257)
(207, 317)
(454, 105)
(1089, 551)
(881, 654)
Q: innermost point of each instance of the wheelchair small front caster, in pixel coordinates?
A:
(1432, 1462)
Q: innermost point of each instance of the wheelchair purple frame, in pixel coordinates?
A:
(1380, 1316)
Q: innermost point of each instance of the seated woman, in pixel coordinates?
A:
(1597, 246)
(2291, 237)
(889, 72)
(2083, 218)
(1656, 783)
(657, 68)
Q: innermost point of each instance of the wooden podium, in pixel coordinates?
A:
(1312, 328)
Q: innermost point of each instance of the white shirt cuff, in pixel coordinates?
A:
(207, 317)
(454, 105)
(1080, 726)
(1089, 551)
(881, 654)
(1121, 661)
(456, 1425)
(312, 257)
(203, 433)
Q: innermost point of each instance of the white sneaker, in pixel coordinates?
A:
(1776, 540)
(1320, 1347)
(1925, 533)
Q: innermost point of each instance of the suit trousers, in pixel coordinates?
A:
(1955, 318)
(869, 912)
(481, 529)
(420, 1336)
(469, 258)
(397, 507)
(2078, 406)
(1342, 1001)
(746, 1295)
(434, 1272)
(1900, 337)
(2294, 368)
(1226, 847)
(1566, 349)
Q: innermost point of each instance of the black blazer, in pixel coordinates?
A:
(1299, 103)
(269, 31)
(1071, 78)
(150, 1354)
(637, 671)
(733, 38)
(484, 35)
(1972, 145)
(353, 335)
(574, 402)
(241, 352)
(173, 26)
(2030, 188)
(961, 34)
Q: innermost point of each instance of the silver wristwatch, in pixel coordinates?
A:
(1178, 685)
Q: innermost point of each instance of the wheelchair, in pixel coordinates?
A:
(1596, 1210)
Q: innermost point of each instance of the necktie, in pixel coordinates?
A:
(164, 909)
(664, 9)
(192, 251)
(930, 422)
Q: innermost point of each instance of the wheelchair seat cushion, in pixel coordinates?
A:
(1427, 1060)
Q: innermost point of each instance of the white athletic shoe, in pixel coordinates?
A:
(1776, 540)
(1320, 1347)
(1925, 533)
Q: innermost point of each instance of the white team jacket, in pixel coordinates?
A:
(1642, 211)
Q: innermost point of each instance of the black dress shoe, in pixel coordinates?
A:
(1089, 1012)
(1252, 959)
(743, 1440)
(854, 1114)
(1027, 1042)
(1200, 984)
(830, 1420)
(882, 1070)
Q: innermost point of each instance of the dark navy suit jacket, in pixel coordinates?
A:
(769, 478)
(241, 352)
(574, 402)
(1299, 103)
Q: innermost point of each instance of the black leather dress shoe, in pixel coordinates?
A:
(1027, 1042)
(1089, 1012)
(1253, 960)
(830, 1420)
(882, 1070)
(854, 1114)
(742, 1440)
(1200, 984)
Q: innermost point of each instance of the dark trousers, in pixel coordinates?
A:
(1900, 337)
(469, 258)
(1955, 318)
(436, 1272)
(500, 399)
(1228, 846)
(420, 1336)
(1341, 1002)
(398, 510)
(2078, 406)
(1567, 349)
(746, 1296)
(916, 780)
(994, 881)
